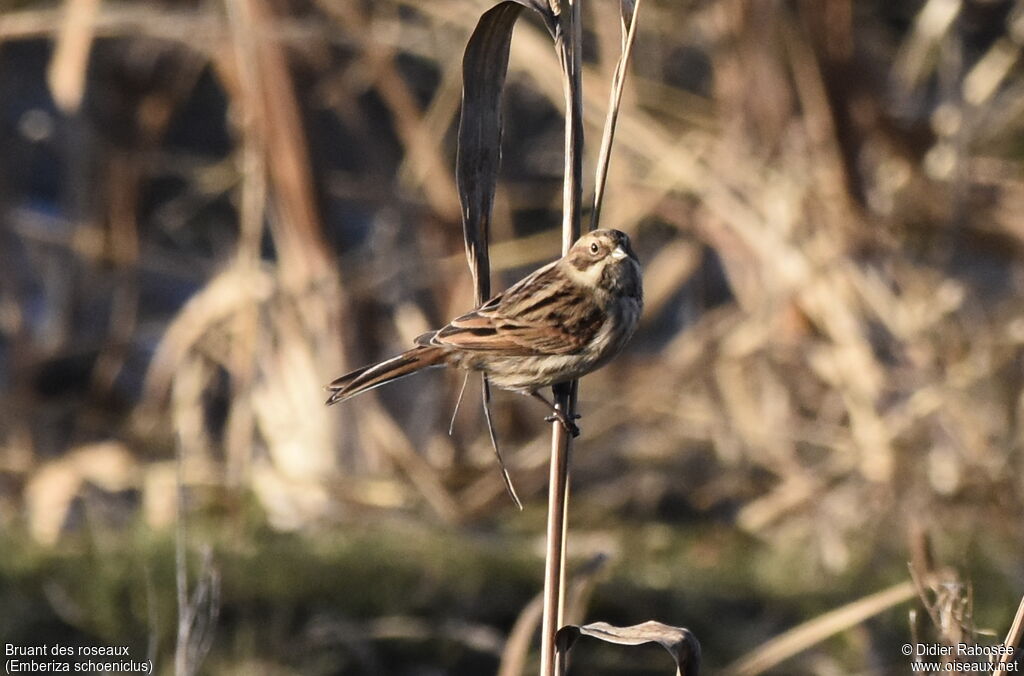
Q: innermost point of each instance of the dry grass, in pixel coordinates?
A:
(254, 195)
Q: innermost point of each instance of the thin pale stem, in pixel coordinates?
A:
(1015, 636)
(614, 100)
(569, 40)
(558, 517)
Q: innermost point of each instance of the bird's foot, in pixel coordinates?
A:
(559, 416)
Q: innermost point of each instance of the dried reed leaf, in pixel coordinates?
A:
(484, 66)
(679, 642)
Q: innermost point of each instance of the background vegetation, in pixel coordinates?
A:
(210, 209)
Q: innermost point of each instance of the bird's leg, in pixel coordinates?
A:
(559, 415)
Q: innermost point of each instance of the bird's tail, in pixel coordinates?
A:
(368, 377)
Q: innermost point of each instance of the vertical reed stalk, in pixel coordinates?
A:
(568, 41)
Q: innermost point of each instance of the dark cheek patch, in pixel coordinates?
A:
(581, 263)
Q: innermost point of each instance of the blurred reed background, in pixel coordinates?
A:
(210, 209)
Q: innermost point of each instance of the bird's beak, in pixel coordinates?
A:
(619, 253)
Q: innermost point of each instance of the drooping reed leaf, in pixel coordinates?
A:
(679, 642)
(484, 66)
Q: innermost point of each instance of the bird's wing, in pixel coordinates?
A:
(540, 315)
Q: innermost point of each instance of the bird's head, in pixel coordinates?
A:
(604, 259)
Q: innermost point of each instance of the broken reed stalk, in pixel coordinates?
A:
(568, 43)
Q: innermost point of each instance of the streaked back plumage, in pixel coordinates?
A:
(558, 323)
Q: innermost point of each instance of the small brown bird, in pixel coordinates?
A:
(559, 323)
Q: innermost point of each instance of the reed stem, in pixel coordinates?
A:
(568, 44)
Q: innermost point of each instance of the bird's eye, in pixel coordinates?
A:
(593, 248)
